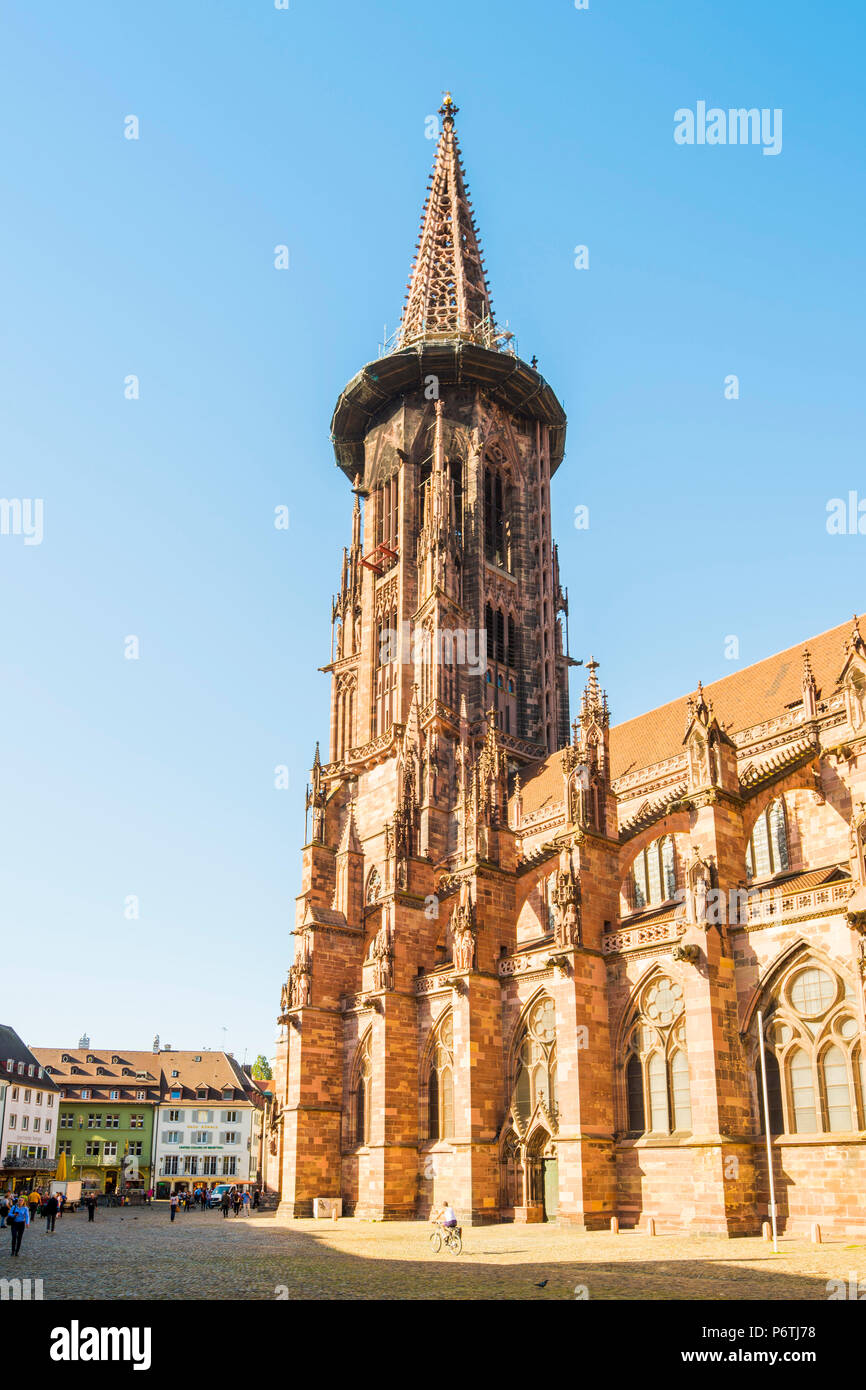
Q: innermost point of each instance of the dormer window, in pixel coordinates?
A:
(115, 1062)
(90, 1057)
(66, 1057)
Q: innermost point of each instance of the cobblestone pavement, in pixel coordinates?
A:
(141, 1255)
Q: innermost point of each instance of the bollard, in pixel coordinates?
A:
(767, 1231)
(614, 1225)
(816, 1234)
(334, 1212)
(650, 1225)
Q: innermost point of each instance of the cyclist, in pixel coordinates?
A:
(447, 1216)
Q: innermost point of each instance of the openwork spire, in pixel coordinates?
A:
(448, 295)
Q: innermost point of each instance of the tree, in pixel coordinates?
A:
(261, 1069)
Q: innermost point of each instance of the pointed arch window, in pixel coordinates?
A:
(813, 1043)
(497, 501)
(455, 471)
(657, 1097)
(802, 1092)
(681, 1100)
(657, 1086)
(361, 1095)
(768, 847)
(440, 1082)
(634, 1086)
(653, 876)
(774, 1094)
(387, 521)
(535, 1060)
(837, 1091)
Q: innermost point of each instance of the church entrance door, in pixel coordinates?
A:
(551, 1188)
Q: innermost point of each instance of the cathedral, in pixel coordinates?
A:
(548, 969)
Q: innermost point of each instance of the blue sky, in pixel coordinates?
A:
(154, 257)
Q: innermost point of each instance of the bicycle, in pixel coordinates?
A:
(451, 1235)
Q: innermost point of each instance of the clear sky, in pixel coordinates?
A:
(154, 778)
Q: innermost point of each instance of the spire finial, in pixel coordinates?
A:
(448, 110)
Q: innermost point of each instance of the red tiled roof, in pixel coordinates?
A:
(746, 697)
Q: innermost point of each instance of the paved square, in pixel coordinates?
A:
(140, 1254)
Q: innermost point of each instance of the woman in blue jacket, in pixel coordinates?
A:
(17, 1218)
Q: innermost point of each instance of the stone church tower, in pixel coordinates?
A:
(532, 959)
(448, 676)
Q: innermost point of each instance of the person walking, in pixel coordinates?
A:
(224, 1204)
(256, 1198)
(172, 1203)
(61, 1202)
(90, 1203)
(4, 1210)
(236, 1201)
(246, 1201)
(50, 1208)
(33, 1201)
(18, 1218)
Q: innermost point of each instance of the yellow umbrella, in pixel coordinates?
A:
(61, 1169)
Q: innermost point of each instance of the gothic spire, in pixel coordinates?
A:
(448, 295)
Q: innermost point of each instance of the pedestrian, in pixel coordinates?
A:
(61, 1202)
(246, 1202)
(50, 1207)
(256, 1198)
(4, 1210)
(172, 1203)
(224, 1204)
(33, 1201)
(236, 1201)
(90, 1203)
(18, 1218)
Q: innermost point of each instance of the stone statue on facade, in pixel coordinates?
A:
(463, 930)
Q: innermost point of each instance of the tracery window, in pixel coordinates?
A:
(768, 847)
(653, 876)
(535, 1060)
(387, 522)
(813, 1047)
(512, 1172)
(386, 669)
(501, 629)
(657, 1097)
(374, 887)
(440, 1082)
(361, 1091)
(497, 527)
